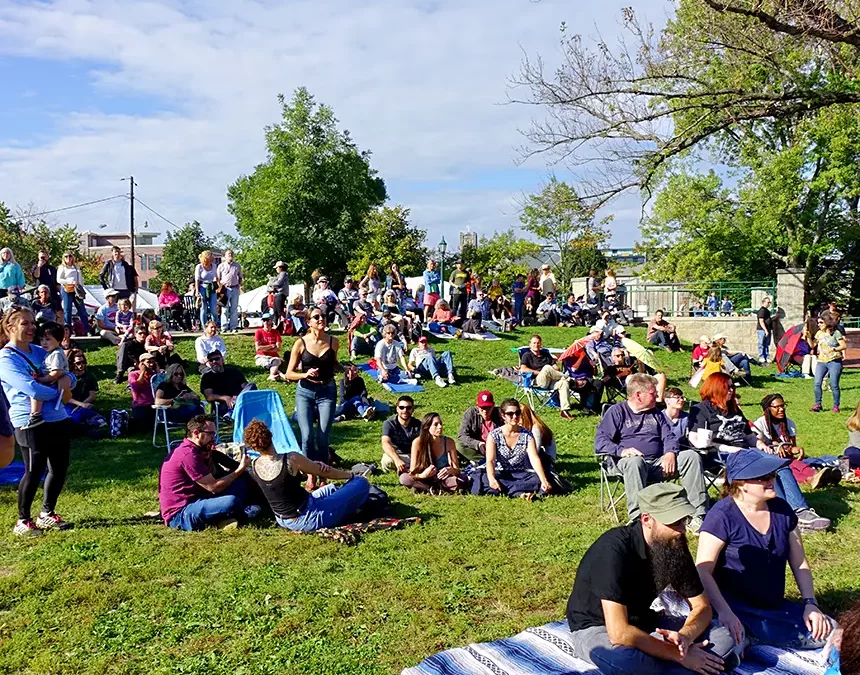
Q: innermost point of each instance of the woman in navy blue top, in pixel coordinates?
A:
(746, 541)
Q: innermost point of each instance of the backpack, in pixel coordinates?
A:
(118, 423)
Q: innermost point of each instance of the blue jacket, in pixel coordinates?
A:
(11, 274)
(19, 386)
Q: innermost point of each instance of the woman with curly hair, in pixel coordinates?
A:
(434, 464)
(280, 478)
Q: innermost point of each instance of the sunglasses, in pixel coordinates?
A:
(778, 407)
(405, 407)
(511, 413)
(317, 317)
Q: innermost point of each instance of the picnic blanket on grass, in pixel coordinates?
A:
(547, 650)
(400, 388)
(12, 474)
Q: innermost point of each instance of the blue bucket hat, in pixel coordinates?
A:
(752, 464)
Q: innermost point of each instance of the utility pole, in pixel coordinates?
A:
(131, 218)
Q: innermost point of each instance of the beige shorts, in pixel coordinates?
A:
(267, 361)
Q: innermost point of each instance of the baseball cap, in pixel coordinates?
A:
(619, 330)
(705, 338)
(486, 400)
(267, 315)
(720, 336)
(751, 464)
(111, 291)
(666, 503)
(146, 356)
(280, 263)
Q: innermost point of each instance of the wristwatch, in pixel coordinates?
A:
(810, 601)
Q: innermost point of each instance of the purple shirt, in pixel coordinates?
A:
(649, 432)
(177, 483)
(751, 566)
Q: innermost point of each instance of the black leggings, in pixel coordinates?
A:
(46, 445)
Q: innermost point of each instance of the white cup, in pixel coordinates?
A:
(701, 438)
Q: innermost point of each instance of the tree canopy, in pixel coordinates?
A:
(306, 203)
(390, 238)
(180, 256)
(499, 256)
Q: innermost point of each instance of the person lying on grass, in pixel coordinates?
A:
(280, 478)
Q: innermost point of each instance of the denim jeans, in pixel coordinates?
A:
(394, 375)
(230, 313)
(763, 339)
(430, 366)
(209, 306)
(593, 645)
(834, 369)
(780, 627)
(352, 406)
(310, 400)
(741, 361)
(519, 302)
(209, 510)
(329, 506)
(70, 299)
(362, 346)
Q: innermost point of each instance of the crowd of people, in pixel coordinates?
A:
(733, 590)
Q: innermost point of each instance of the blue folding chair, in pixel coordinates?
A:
(264, 405)
(536, 397)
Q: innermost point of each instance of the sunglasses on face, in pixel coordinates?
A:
(778, 407)
(317, 317)
(511, 413)
(404, 407)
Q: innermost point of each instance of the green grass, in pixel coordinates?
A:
(117, 595)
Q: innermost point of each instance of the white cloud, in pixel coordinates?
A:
(418, 83)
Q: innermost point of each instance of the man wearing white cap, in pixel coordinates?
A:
(739, 359)
(106, 317)
(280, 286)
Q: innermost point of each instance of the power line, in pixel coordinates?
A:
(76, 206)
(166, 220)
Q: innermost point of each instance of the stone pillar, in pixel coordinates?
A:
(790, 296)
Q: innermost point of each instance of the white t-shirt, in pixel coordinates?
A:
(761, 426)
(204, 345)
(118, 280)
(387, 355)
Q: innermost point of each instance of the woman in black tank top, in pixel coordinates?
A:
(313, 363)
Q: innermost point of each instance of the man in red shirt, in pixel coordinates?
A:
(267, 342)
(190, 496)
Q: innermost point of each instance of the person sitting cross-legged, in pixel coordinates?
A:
(398, 433)
(543, 366)
(746, 542)
(646, 449)
(424, 362)
(434, 464)
(223, 383)
(389, 355)
(610, 610)
(267, 346)
(476, 425)
(662, 333)
(199, 486)
(130, 350)
(280, 478)
(207, 343)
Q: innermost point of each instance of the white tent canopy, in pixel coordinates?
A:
(96, 298)
(251, 301)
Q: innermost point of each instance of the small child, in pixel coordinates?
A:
(56, 365)
(124, 318)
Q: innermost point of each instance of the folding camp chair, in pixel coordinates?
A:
(264, 405)
(223, 420)
(537, 397)
(161, 421)
(611, 485)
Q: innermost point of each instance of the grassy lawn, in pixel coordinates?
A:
(122, 595)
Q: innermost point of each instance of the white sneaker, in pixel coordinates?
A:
(440, 382)
(451, 380)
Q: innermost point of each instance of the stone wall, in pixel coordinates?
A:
(740, 331)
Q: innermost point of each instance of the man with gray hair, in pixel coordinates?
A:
(646, 450)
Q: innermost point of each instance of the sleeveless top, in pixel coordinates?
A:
(325, 362)
(442, 460)
(515, 458)
(280, 484)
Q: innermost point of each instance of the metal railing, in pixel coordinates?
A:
(680, 299)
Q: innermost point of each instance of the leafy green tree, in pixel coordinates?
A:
(561, 220)
(306, 203)
(390, 238)
(181, 254)
(500, 256)
(584, 258)
(27, 235)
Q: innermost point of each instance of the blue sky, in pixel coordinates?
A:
(177, 92)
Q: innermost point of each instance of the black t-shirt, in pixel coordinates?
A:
(529, 360)
(284, 491)
(617, 567)
(171, 391)
(87, 383)
(226, 383)
(401, 436)
(764, 314)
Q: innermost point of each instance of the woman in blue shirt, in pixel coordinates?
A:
(746, 541)
(45, 445)
(11, 274)
(431, 289)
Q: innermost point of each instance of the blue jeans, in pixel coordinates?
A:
(310, 400)
(362, 346)
(763, 339)
(394, 375)
(299, 324)
(230, 313)
(352, 406)
(741, 361)
(430, 366)
(80, 415)
(519, 302)
(329, 506)
(834, 369)
(70, 299)
(209, 306)
(780, 627)
(209, 510)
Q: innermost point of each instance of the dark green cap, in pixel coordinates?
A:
(667, 503)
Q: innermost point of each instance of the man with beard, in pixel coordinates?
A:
(610, 615)
(222, 383)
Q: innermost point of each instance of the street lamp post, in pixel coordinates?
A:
(443, 246)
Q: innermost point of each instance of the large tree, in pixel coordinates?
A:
(306, 203)
(180, 256)
(562, 221)
(389, 237)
